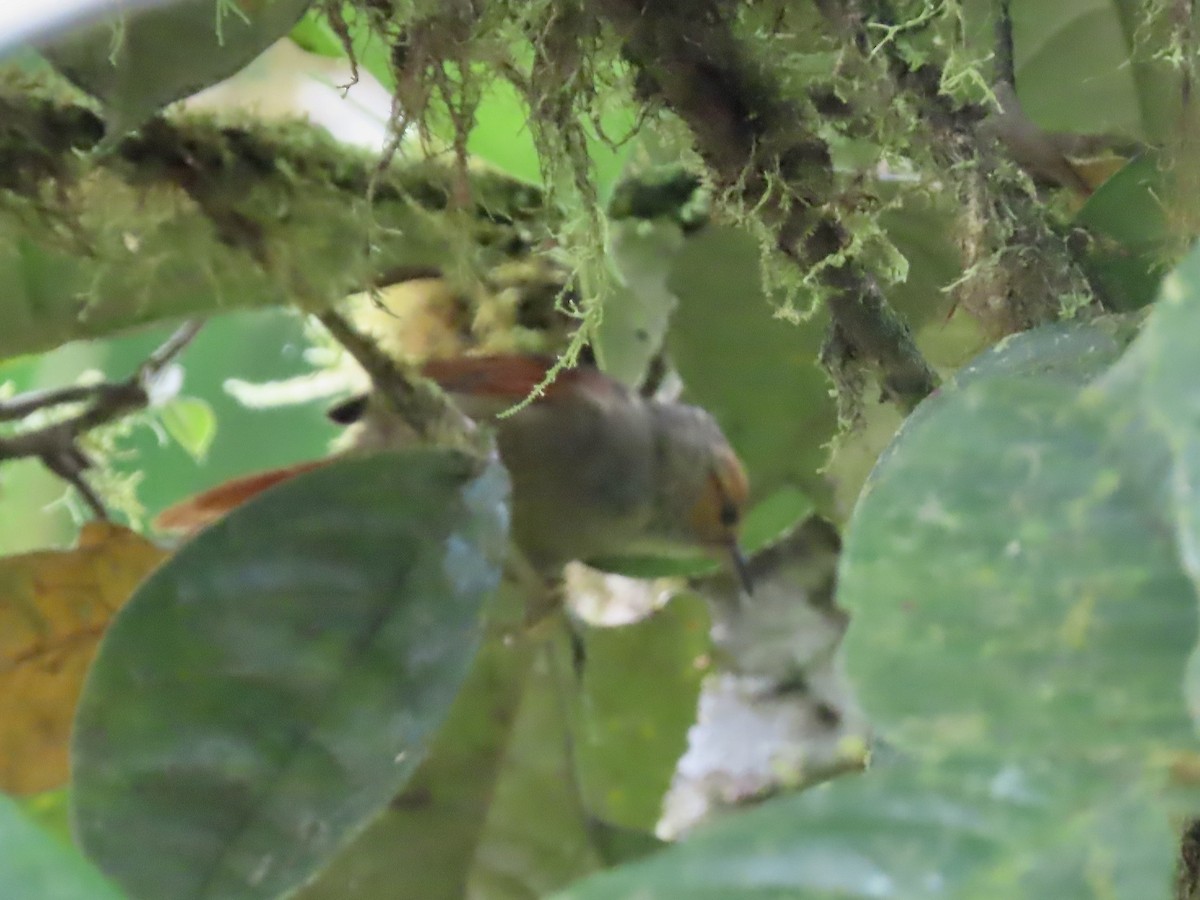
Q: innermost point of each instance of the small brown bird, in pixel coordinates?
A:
(597, 470)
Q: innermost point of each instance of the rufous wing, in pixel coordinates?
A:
(495, 382)
(511, 378)
(189, 516)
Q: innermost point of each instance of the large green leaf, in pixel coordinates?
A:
(896, 833)
(267, 690)
(1154, 387)
(1009, 538)
(968, 831)
(423, 846)
(989, 555)
(138, 61)
(35, 865)
(1022, 574)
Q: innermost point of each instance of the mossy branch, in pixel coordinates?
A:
(756, 143)
(195, 216)
(57, 444)
(1019, 270)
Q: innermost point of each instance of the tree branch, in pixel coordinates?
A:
(756, 143)
(417, 401)
(57, 444)
(193, 216)
(1021, 272)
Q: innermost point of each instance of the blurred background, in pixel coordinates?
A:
(207, 436)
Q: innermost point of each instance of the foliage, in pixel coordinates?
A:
(799, 216)
(57, 605)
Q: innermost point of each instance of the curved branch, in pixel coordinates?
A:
(57, 444)
(193, 216)
(756, 142)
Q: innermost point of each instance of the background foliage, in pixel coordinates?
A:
(802, 216)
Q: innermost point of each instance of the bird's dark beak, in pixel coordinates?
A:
(741, 569)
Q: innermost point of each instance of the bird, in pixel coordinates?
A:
(598, 471)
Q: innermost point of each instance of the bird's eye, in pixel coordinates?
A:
(728, 514)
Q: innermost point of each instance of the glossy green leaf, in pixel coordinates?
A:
(314, 34)
(774, 517)
(37, 866)
(191, 423)
(268, 689)
(501, 135)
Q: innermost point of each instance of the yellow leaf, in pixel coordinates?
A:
(54, 606)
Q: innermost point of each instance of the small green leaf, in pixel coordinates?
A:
(37, 866)
(765, 524)
(1133, 244)
(774, 517)
(268, 689)
(50, 811)
(192, 424)
(313, 33)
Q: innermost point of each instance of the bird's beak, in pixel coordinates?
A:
(741, 569)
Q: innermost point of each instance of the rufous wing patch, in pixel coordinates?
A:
(509, 377)
(189, 516)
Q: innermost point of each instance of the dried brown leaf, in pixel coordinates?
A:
(54, 606)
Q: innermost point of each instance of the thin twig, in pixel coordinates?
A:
(57, 444)
(171, 347)
(417, 402)
(30, 402)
